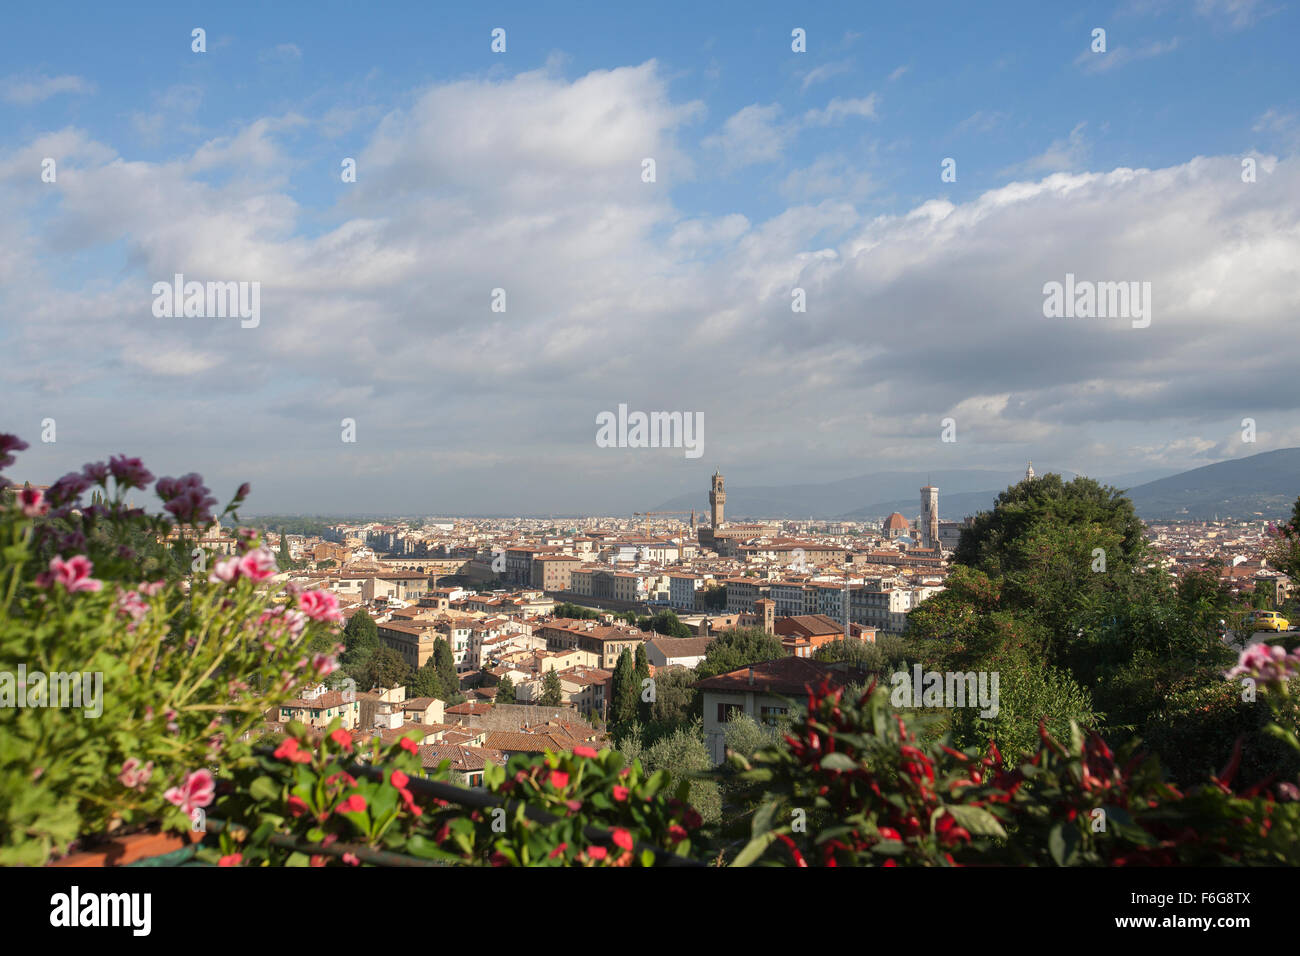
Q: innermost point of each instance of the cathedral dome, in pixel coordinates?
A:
(896, 522)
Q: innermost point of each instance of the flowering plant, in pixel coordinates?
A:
(853, 785)
(303, 805)
(118, 694)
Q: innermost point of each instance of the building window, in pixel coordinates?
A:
(769, 715)
(727, 711)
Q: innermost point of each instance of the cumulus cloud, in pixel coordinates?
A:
(376, 305)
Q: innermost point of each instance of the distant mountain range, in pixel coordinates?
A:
(1266, 484)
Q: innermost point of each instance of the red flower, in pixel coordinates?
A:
(676, 833)
(597, 852)
(408, 744)
(351, 858)
(297, 806)
(343, 739)
(289, 750)
(692, 819)
(399, 780)
(559, 850)
(231, 860)
(353, 804)
(559, 779)
(620, 792)
(583, 751)
(622, 838)
(889, 833)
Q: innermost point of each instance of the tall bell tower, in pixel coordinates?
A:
(717, 500)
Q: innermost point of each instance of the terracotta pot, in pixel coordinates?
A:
(128, 849)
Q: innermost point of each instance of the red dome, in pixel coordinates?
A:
(896, 522)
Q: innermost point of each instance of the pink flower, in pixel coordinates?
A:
(320, 606)
(620, 792)
(197, 791)
(32, 502)
(1268, 663)
(622, 838)
(231, 860)
(150, 588)
(584, 751)
(597, 852)
(324, 664)
(257, 565)
(351, 859)
(131, 605)
(130, 775)
(73, 574)
(225, 572)
(559, 779)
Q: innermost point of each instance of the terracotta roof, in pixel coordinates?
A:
(785, 675)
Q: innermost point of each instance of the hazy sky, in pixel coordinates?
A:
(523, 171)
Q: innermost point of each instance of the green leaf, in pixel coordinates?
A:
(763, 818)
(756, 848)
(1063, 843)
(977, 820)
(264, 789)
(838, 761)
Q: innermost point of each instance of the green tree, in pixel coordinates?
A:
(505, 691)
(387, 669)
(360, 642)
(675, 700)
(991, 543)
(736, 648)
(427, 682)
(552, 692)
(684, 753)
(623, 690)
(445, 663)
(641, 676)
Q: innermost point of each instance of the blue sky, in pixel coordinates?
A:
(774, 169)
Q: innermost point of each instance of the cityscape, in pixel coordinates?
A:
(698, 438)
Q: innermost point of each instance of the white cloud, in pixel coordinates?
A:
(837, 109)
(377, 306)
(28, 90)
(1120, 56)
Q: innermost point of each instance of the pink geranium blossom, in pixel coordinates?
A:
(1267, 663)
(320, 606)
(73, 574)
(257, 565)
(133, 775)
(225, 571)
(32, 502)
(197, 791)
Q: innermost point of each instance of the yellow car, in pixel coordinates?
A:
(1269, 621)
